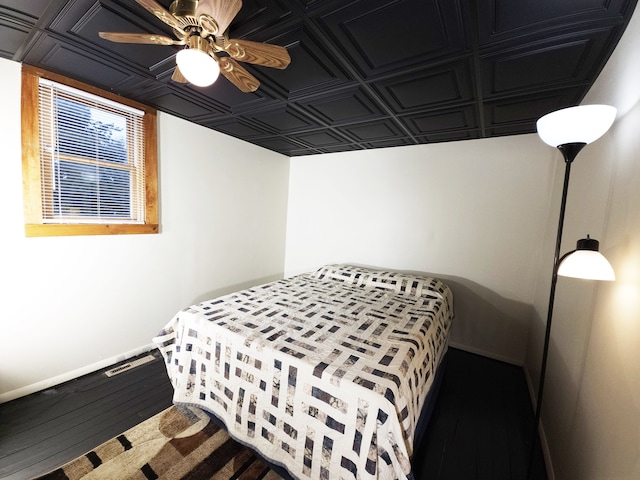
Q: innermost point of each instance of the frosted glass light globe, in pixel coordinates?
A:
(198, 67)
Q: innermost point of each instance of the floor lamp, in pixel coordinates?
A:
(569, 130)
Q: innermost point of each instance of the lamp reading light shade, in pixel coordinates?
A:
(586, 262)
(582, 124)
(196, 65)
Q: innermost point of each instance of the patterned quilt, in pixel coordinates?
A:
(323, 373)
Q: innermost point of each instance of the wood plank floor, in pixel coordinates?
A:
(480, 429)
(42, 431)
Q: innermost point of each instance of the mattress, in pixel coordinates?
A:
(324, 373)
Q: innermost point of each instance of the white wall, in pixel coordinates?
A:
(470, 212)
(66, 310)
(591, 409)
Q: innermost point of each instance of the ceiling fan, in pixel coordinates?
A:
(202, 26)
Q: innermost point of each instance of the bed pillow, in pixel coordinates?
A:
(400, 283)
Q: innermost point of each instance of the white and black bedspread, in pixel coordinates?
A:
(323, 373)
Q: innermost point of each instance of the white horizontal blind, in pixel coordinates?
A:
(92, 158)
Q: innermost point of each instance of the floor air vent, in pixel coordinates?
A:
(129, 365)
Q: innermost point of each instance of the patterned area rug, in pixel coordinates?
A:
(179, 443)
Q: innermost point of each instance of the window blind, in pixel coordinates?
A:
(92, 157)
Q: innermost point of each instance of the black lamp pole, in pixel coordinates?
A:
(569, 152)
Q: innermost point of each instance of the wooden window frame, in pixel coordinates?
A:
(31, 169)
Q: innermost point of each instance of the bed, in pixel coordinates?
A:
(324, 374)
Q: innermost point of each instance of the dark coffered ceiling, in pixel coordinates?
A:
(364, 74)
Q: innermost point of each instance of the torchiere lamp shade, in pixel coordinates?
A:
(582, 124)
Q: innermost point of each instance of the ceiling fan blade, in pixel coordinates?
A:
(238, 75)
(144, 38)
(264, 54)
(162, 13)
(178, 77)
(222, 11)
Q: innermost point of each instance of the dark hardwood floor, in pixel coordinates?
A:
(480, 428)
(42, 431)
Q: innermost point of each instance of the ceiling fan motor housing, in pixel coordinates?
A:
(183, 8)
(199, 43)
(186, 11)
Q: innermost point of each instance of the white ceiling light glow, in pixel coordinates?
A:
(196, 65)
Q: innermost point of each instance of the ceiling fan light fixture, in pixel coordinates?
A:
(202, 25)
(195, 63)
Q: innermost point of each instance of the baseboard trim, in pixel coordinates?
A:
(484, 353)
(65, 377)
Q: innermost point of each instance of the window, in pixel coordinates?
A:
(89, 159)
